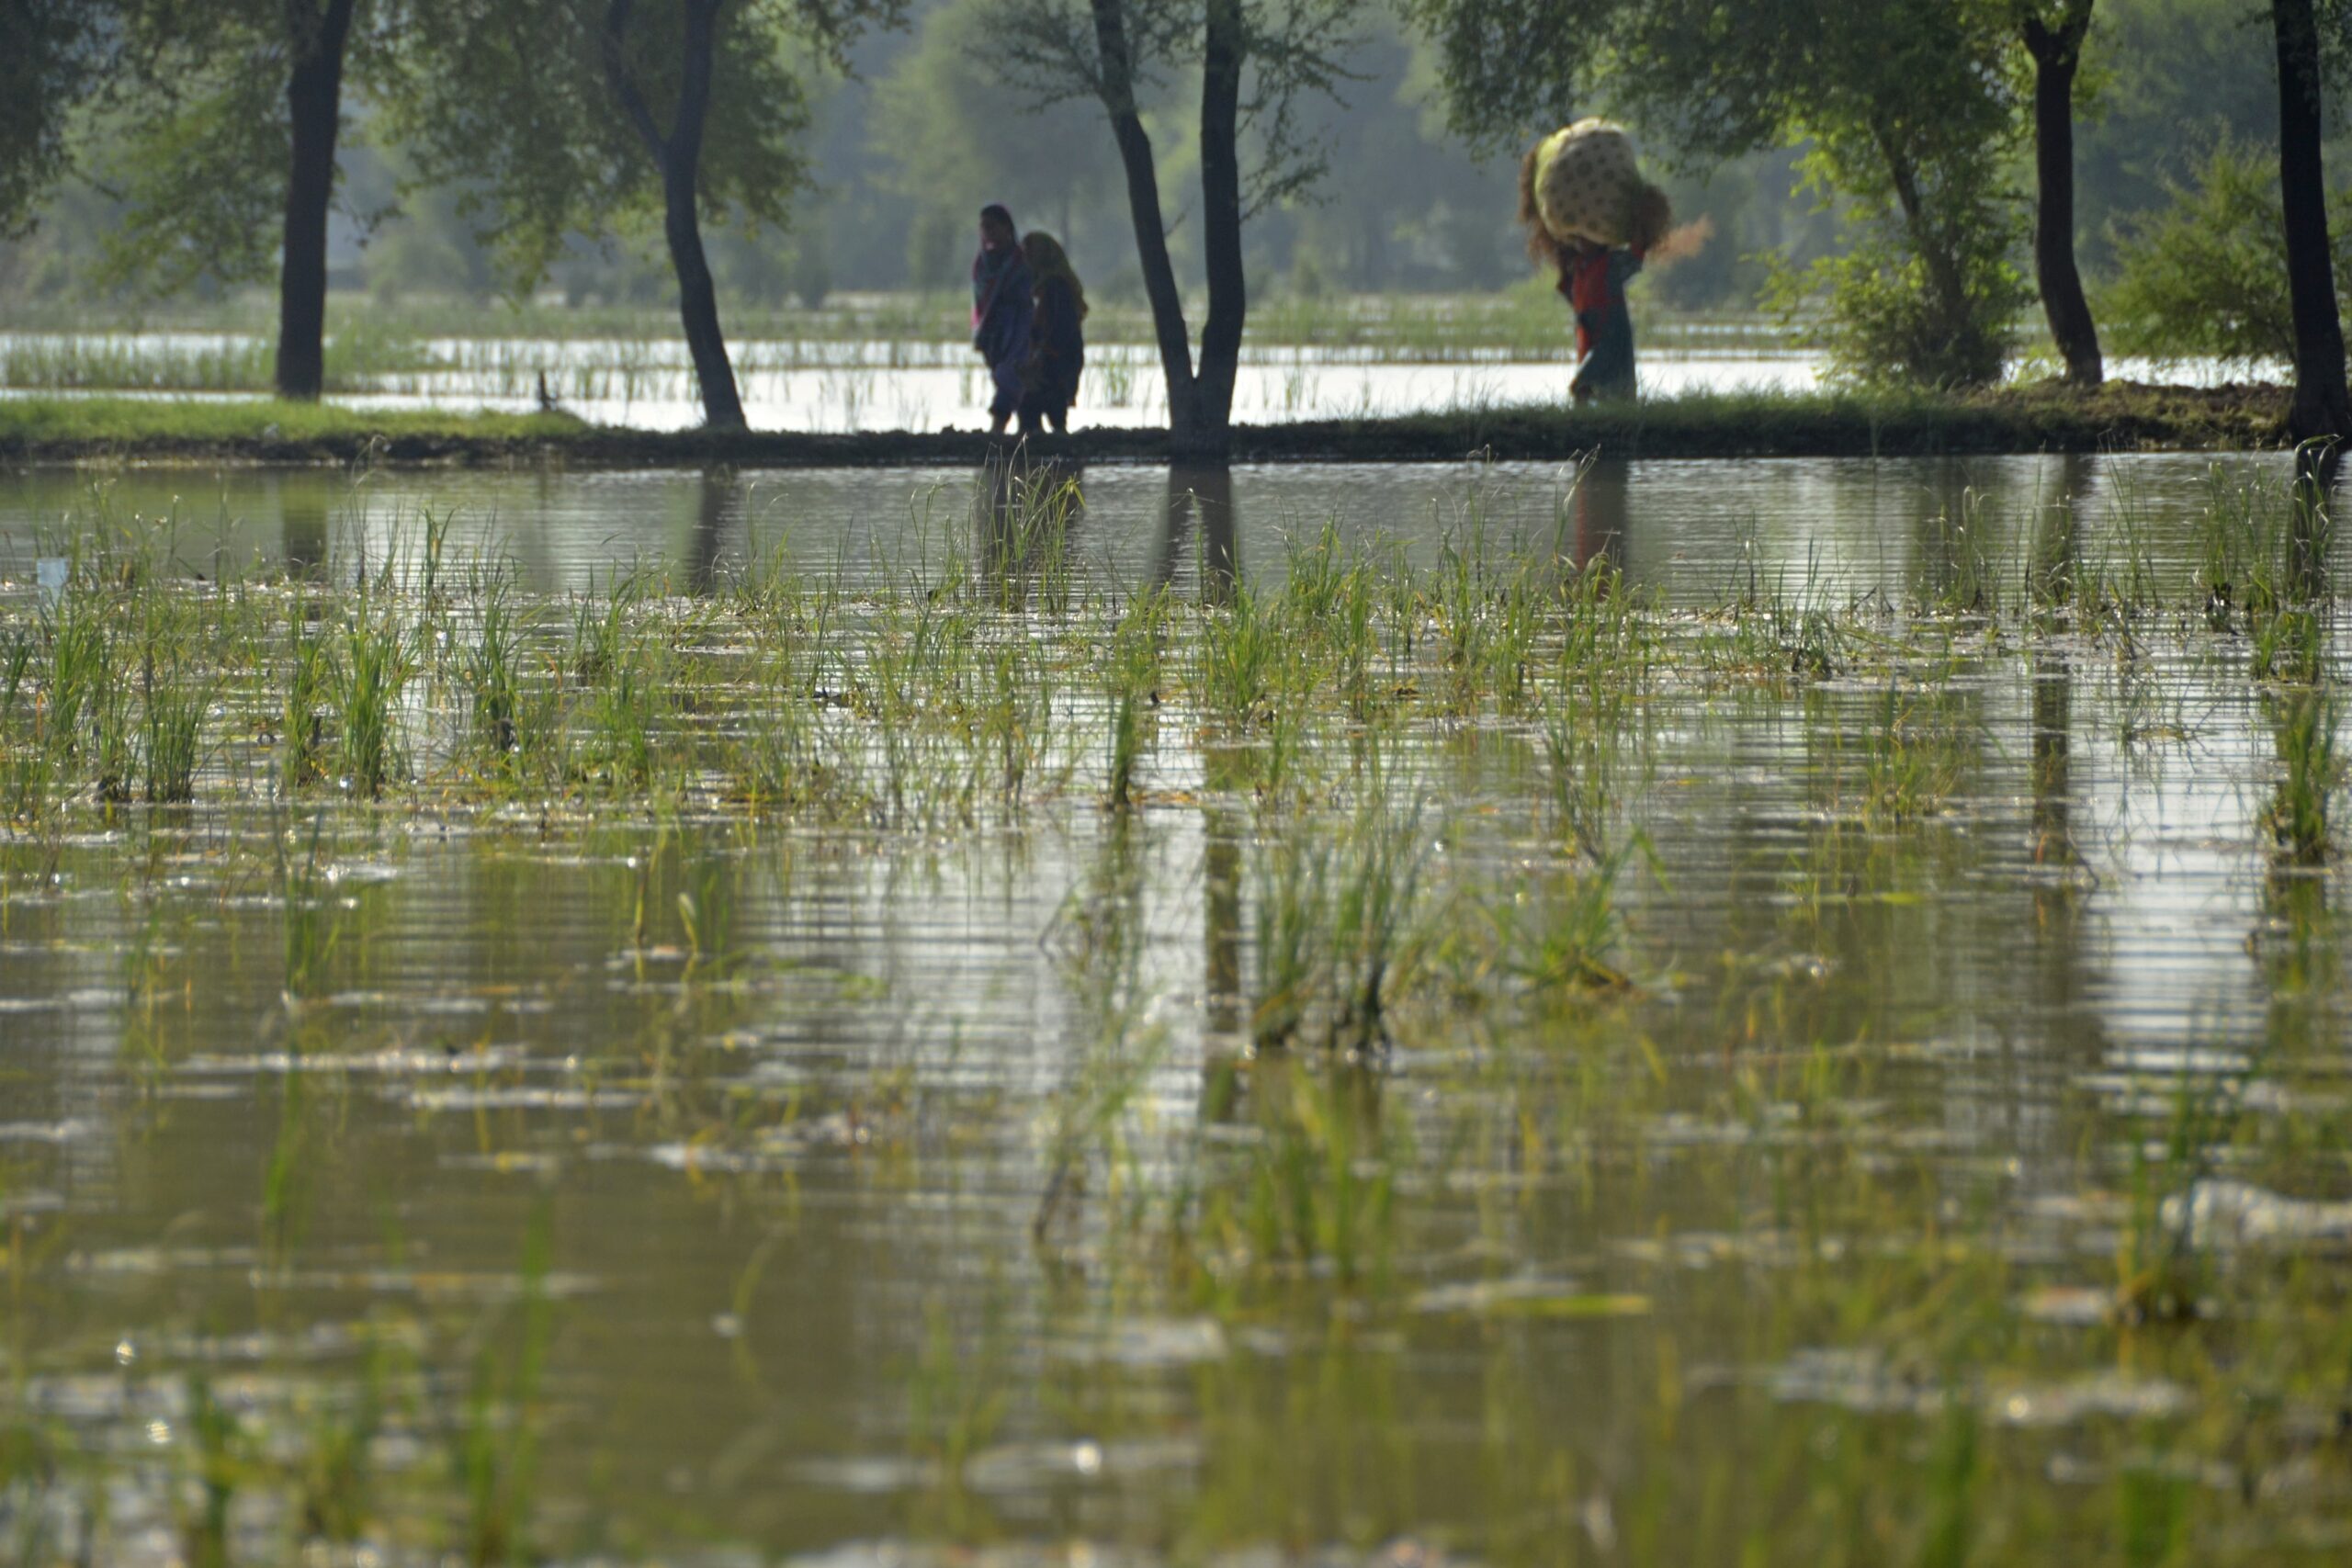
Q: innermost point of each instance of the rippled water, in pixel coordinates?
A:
(1806, 1240)
(1698, 531)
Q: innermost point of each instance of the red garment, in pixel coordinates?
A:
(1585, 282)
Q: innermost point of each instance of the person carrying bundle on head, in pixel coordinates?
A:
(1591, 217)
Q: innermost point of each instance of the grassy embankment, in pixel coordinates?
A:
(1825, 424)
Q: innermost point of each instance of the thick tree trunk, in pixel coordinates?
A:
(1118, 95)
(315, 42)
(2057, 54)
(2320, 407)
(679, 157)
(722, 407)
(1223, 48)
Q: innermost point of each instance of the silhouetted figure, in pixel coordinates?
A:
(1002, 304)
(1056, 336)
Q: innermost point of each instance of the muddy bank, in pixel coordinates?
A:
(2047, 417)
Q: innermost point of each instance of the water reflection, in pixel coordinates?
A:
(1200, 503)
(718, 495)
(1697, 533)
(1027, 512)
(1602, 511)
(302, 529)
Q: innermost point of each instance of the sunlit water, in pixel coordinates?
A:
(819, 1276)
(886, 386)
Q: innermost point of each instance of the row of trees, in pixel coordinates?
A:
(556, 119)
(1912, 110)
(552, 117)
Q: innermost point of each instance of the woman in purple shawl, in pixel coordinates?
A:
(1002, 289)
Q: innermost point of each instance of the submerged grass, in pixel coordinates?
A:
(1470, 1089)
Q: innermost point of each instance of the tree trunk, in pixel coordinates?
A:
(314, 106)
(1118, 94)
(2057, 54)
(679, 157)
(1223, 48)
(2321, 407)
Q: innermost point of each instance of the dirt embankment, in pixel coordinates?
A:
(2047, 417)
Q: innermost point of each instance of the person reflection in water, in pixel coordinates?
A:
(1002, 306)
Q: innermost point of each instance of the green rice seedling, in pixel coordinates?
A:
(437, 525)
(369, 679)
(1319, 1183)
(2287, 645)
(334, 1475)
(2309, 773)
(707, 914)
(1912, 758)
(496, 1447)
(174, 712)
(492, 670)
(218, 1457)
(1561, 936)
(1338, 930)
(304, 892)
(1964, 578)
(1131, 677)
(1238, 653)
(81, 671)
(301, 730)
(1291, 877)
(16, 675)
(958, 1401)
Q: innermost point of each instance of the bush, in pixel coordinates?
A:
(1928, 293)
(2208, 273)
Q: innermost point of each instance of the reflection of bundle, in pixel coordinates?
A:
(1588, 186)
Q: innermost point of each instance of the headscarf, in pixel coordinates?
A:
(1048, 260)
(990, 268)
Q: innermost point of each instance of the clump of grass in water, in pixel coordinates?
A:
(368, 678)
(301, 732)
(1912, 760)
(2310, 771)
(1560, 937)
(175, 702)
(625, 674)
(494, 1455)
(1132, 679)
(1338, 930)
(217, 1454)
(492, 670)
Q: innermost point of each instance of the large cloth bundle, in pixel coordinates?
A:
(1586, 182)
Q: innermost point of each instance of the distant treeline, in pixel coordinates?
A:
(902, 152)
(1907, 177)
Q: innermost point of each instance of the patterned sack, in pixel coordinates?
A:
(1586, 180)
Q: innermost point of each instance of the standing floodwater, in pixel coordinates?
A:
(1764, 1011)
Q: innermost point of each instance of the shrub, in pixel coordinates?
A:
(2208, 273)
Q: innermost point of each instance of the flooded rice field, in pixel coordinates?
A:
(880, 385)
(849, 386)
(1778, 1012)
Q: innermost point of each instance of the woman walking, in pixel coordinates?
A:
(1597, 247)
(1001, 307)
(1056, 336)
